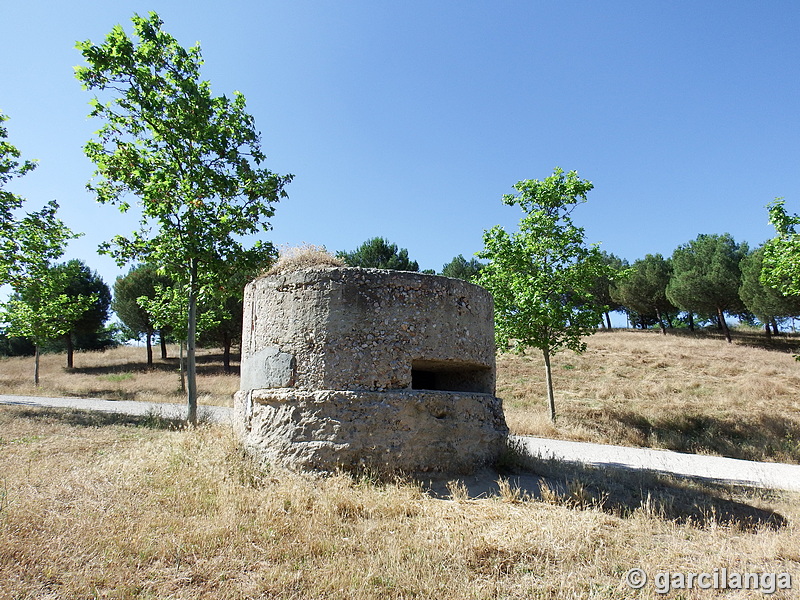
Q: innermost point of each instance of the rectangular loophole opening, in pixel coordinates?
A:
(450, 376)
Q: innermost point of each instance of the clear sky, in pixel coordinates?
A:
(409, 120)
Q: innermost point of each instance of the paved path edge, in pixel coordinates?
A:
(731, 470)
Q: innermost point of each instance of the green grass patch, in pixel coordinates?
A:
(117, 377)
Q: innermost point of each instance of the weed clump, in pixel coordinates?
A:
(293, 258)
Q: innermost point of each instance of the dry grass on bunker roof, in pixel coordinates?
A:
(293, 258)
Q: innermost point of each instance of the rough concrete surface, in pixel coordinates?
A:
(398, 430)
(366, 329)
(349, 368)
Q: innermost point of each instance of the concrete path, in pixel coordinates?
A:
(715, 468)
(766, 475)
(215, 414)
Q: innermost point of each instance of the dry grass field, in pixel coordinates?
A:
(105, 506)
(109, 506)
(120, 374)
(685, 392)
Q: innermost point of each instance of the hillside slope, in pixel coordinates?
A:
(685, 392)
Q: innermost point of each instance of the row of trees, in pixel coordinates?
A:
(192, 162)
(709, 278)
(705, 280)
(145, 301)
(379, 253)
(48, 301)
(551, 289)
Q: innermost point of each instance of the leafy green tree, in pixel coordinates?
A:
(542, 275)
(765, 302)
(81, 281)
(461, 268)
(141, 281)
(41, 308)
(604, 284)
(11, 167)
(782, 253)
(706, 277)
(643, 290)
(228, 305)
(192, 159)
(378, 253)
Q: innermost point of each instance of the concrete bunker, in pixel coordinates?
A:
(351, 368)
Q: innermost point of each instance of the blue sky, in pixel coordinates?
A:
(410, 120)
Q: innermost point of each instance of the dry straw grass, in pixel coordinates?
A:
(292, 258)
(120, 374)
(683, 392)
(106, 510)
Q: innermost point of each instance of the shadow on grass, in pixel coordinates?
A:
(760, 438)
(615, 490)
(783, 342)
(206, 365)
(95, 392)
(90, 418)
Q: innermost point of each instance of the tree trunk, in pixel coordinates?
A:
(149, 337)
(768, 331)
(661, 322)
(191, 367)
(551, 402)
(163, 343)
(691, 321)
(226, 351)
(181, 368)
(608, 320)
(775, 327)
(724, 325)
(36, 366)
(70, 351)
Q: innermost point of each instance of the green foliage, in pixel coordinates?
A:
(643, 290)
(765, 302)
(461, 268)
(604, 284)
(10, 168)
(140, 285)
(29, 244)
(141, 281)
(42, 306)
(82, 281)
(192, 159)
(15, 346)
(542, 275)
(706, 276)
(378, 253)
(41, 309)
(782, 253)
